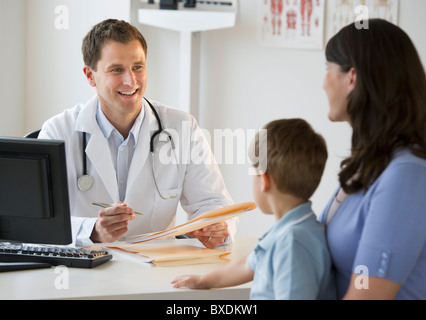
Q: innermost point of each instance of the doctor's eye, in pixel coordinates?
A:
(137, 68)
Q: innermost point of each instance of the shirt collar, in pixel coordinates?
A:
(269, 238)
(107, 128)
(137, 125)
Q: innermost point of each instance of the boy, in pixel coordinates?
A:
(291, 261)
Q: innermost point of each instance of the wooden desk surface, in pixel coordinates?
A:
(120, 278)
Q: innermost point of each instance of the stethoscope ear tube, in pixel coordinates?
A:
(85, 182)
(160, 126)
(84, 154)
(151, 147)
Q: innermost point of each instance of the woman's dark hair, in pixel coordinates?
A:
(387, 107)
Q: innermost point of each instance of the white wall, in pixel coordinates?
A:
(12, 57)
(243, 85)
(42, 64)
(55, 78)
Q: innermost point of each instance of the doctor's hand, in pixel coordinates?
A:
(112, 223)
(213, 235)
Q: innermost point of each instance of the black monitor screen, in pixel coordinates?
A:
(34, 203)
(168, 4)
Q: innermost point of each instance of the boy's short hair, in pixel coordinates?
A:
(110, 29)
(295, 158)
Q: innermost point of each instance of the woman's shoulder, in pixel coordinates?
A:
(404, 166)
(407, 157)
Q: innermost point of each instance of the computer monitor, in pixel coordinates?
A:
(169, 4)
(34, 200)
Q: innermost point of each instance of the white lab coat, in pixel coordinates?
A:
(203, 186)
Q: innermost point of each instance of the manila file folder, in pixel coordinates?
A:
(203, 220)
(159, 253)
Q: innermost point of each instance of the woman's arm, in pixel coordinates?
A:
(371, 288)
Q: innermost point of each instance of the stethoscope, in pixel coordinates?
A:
(86, 181)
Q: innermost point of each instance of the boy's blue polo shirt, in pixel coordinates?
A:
(291, 261)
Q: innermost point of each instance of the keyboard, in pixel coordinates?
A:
(52, 255)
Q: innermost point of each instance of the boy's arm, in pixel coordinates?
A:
(235, 273)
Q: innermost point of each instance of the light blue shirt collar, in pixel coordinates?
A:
(269, 238)
(107, 128)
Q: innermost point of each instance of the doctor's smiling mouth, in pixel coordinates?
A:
(129, 93)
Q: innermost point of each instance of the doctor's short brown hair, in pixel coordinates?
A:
(295, 156)
(110, 29)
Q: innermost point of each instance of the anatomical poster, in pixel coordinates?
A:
(291, 23)
(344, 12)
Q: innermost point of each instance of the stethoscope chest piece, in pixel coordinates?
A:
(85, 182)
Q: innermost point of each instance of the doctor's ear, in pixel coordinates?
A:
(265, 182)
(89, 73)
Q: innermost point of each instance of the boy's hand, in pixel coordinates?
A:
(191, 282)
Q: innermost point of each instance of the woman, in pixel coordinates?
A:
(376, 222)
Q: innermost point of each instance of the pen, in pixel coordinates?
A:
(106, 205)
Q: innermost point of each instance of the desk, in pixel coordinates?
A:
(121, 278)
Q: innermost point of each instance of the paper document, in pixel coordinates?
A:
(203, 220)
(172, 253)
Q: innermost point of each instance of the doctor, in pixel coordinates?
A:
(108, 149)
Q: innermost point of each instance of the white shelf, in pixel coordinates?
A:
(187, 21)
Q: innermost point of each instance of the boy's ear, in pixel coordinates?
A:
(265, 183)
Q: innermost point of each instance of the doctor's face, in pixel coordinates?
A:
(120, 79)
